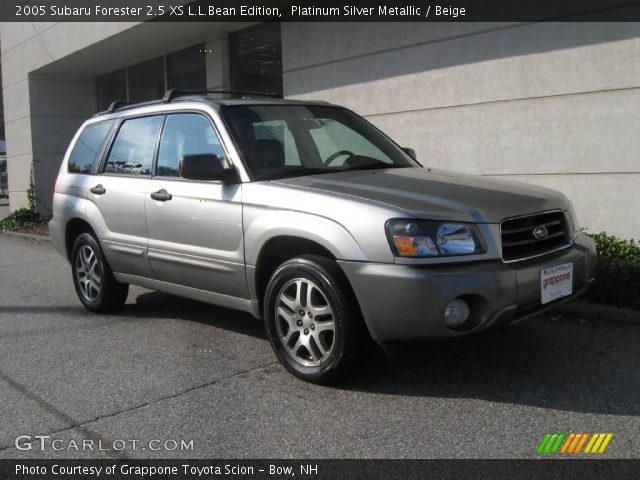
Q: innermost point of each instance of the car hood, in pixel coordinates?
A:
(437, 194)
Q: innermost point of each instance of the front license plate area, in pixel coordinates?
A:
(556, 282)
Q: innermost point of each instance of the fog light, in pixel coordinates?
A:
(456, 313)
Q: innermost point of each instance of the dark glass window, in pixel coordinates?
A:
(146, 81)
(185, 134)
(132, 150)
(89, 144)
(256, 59)
(187, 69)
(112, 87)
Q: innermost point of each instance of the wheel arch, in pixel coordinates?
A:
(75, 227)
(275, 251)
(275, 236)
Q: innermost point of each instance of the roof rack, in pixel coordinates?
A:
(115, 105)
(174, 93)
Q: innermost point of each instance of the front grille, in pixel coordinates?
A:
(519, 241)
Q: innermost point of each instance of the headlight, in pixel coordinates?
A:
(426, 238)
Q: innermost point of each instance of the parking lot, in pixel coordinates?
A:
(166, 368)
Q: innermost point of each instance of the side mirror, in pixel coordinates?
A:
(205, 166)
(411, 152)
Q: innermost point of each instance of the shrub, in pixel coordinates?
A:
(617, 272)
(19, 219)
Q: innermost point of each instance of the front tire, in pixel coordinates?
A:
(97, 288)
(313, 321)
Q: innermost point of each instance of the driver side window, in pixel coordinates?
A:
(185, 134)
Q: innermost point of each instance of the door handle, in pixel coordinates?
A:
(98, 190)
(161, 195)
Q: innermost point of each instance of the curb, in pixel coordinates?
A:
(28, 236)
(599, 313)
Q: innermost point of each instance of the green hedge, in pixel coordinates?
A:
(19, 219)
(617, 272)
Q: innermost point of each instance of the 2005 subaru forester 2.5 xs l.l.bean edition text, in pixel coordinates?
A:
(305, 215)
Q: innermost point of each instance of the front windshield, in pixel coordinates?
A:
(278, 141)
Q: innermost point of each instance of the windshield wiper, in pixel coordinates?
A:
(298, 172)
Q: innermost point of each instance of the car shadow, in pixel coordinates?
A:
(563, 365)
(155, 304)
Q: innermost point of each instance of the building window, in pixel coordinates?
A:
(112, 87)
(187, 69)
(146, 81)
(256, 59)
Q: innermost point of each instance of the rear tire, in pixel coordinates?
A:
(313, 321)
(97, 288)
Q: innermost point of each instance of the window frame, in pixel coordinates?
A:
(131, 70)
(100, 165)
(233, 63)
(167, 64)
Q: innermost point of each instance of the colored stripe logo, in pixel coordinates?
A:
(573, 443)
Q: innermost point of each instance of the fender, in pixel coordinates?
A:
(325, 232)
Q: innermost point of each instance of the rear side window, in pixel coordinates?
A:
(132, 150)
(89, 145)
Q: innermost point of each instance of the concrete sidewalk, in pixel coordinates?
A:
(4, 208)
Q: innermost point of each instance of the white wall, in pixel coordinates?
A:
(41, 111)
(555, 104)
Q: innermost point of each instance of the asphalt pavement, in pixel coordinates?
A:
(169, 370)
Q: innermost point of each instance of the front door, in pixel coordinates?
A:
(195, 227)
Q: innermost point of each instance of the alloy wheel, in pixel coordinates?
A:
(88, 273)
(305, 322)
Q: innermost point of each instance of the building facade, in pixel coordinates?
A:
(554, 104)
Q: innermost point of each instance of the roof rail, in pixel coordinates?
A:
(115, 105)
(174, 93)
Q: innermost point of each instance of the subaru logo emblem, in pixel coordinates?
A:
(540, 232)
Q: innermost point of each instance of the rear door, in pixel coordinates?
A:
(118, 195)
(195, 227)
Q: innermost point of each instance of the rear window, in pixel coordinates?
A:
(89, 145)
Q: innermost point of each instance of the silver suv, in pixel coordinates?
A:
(307, 216)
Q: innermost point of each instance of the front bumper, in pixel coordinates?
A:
(402, 302)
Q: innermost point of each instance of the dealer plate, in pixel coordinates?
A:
(556, 282)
